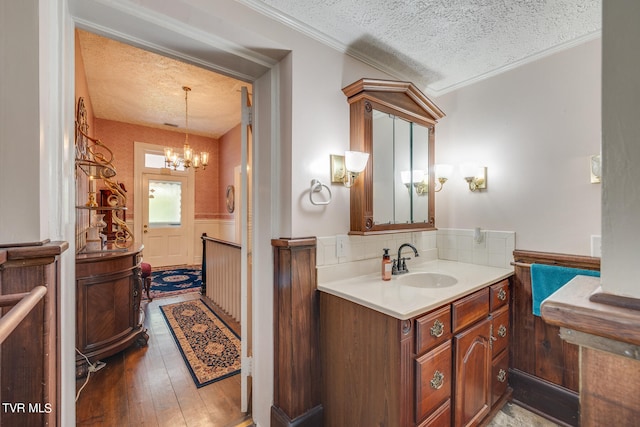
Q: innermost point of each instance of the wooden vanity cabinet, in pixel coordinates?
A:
(446, 367)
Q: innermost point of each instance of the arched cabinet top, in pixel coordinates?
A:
(403, 97)
(371, 100)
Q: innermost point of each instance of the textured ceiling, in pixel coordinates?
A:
(442, 44)
(439, 45)
(132, 85)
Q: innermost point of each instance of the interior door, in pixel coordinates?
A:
(165, 228)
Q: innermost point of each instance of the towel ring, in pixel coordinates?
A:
(316, 187)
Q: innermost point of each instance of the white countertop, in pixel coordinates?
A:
(404, 302)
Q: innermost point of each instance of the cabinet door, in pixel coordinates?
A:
(472, 374)
(107, 310)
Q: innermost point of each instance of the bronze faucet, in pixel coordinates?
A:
(400, 264)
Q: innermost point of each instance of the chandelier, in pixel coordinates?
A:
(172, 159)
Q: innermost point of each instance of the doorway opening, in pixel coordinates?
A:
(171, 234)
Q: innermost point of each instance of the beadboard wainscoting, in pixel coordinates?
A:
(223, 229)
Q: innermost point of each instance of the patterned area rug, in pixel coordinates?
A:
(209, 347)
(168, 283)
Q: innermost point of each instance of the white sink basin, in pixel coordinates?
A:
(426, 280)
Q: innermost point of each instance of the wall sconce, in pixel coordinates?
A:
(417, 178)
(443, 173)
(345, 169)
(476, 176)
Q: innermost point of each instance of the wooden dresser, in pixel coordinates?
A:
(108, 292)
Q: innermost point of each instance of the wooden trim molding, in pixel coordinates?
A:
(297, 379)
(544, 369)
(29, 357)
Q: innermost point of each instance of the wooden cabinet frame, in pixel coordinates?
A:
(404, 100)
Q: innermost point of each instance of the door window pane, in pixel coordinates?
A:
(165, 199)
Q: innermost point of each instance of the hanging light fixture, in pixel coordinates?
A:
(172, 159)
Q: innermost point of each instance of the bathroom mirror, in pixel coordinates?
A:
(395, 123)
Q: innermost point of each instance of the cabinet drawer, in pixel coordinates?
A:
(500, 330)
(499, 294)
(470, 309)
(440, 418)
(433, 329)
(499, 376)
(433, 380)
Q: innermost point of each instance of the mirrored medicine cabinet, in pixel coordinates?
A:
(395, 123)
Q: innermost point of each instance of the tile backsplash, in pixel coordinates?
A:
(357, 248)
(493, 248)
(362, 254)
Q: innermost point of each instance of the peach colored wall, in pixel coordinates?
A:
(230, 157)
(120, 138)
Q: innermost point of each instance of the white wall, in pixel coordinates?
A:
(20, 207)
(534, 127)
(621, 148)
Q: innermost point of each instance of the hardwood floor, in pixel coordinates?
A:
(152, 386)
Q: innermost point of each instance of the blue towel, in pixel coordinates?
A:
(546, 279)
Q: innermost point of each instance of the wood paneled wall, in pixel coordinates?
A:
(29, 374)
(544, 370)
(297, 379)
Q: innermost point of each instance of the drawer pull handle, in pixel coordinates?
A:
(437, 381)
(502, 331)
(437, 329)
(502, 375)
(502, 295)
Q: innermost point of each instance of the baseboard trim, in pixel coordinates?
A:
(546, 399)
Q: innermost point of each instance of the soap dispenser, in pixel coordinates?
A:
(386, 265)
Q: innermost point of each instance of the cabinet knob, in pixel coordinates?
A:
(437, 329)
(502, 331)
(502, 375)
(502, 295)
(437, 381)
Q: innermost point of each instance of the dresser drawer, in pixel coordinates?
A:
(500, 330)
(433, 380)
(499, 294)
(499, 376)
(433, 329)
(470, 309)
